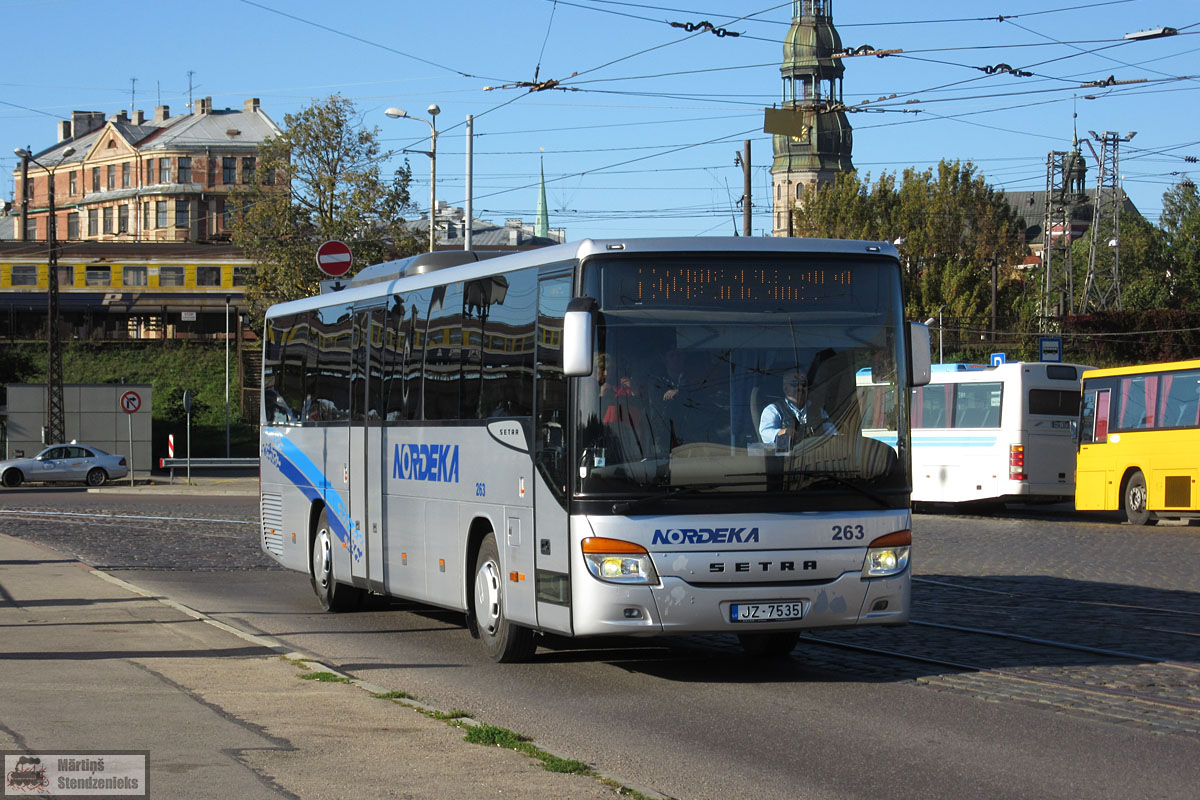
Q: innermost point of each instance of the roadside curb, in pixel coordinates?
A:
(310, 663)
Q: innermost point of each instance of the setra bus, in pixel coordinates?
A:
(996, 434)
(1139, 428)
(567, 440)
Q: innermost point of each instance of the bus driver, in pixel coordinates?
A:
(786, 421)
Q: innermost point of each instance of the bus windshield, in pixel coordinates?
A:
(725, 375)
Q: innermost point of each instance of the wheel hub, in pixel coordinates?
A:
(321, 558)
(487, 597)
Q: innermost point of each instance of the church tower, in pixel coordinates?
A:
(813, 140)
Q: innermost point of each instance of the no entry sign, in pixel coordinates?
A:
(334, 258)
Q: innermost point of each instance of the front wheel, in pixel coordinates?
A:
(12, 478)
(96, 476)
(1135, 500)
(503, 641)
(332, 595)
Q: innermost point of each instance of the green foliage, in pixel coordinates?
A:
(502, 737)
(1147, 336)
(1181, 228)
(169, 367)
(952, 224)
(323, 677)
(333, 166)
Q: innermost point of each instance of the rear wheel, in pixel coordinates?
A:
(503, 641)
(332, 595)
(1135, 500)
(769, 645)
(12, 478)
(96, 476)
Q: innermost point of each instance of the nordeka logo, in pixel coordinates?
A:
(705, 536)
(426, 462)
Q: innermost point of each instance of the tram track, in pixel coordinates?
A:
(1045, 598)
(1090, 689)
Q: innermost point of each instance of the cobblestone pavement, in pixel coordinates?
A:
(1132, 592)
(1096, 585)
(120, 532)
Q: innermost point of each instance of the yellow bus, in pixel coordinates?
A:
(1139, 435)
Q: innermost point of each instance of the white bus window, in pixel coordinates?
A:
(977, 405)
(929, 406)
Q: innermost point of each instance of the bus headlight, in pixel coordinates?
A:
(618, 561)
(887, 555)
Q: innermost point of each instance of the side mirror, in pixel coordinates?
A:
(579, 329)
(922, 368)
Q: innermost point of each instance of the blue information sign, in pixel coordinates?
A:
(1050, 348)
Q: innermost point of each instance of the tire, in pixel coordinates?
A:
(96, 476)
(333, 596)
(1135, 500)
(12, 479)
(769, 645)
(503, 641)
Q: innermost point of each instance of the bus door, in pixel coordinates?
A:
(1092, 478)
(551, 439)
(366, 459)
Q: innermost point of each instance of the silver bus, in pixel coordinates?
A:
(577, 440)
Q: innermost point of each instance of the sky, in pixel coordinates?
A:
(639, 135)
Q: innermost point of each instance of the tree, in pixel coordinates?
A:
(952, 226)
(1181, 227)
(333, 187)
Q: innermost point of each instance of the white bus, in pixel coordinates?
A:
(995, 434)
(566, 440)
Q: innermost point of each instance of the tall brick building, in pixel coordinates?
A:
(133, 179)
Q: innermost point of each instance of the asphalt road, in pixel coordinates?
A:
(1117, 715)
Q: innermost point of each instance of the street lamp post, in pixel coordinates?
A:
(55, 414)
(434, 110)
(929, 322)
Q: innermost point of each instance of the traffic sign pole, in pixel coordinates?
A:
(130, 402)
(131, 449)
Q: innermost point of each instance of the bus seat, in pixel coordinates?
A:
(756, 408)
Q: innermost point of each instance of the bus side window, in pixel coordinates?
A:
(1180, 398)
(551, 385)
(1093, 418)
(1138, 396)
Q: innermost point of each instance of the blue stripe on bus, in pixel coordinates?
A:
(954, 441)
(312, 483)
(935, 439)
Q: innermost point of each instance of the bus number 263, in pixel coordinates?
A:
(846, 533)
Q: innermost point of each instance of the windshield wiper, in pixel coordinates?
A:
(857, 485)
(670, 492)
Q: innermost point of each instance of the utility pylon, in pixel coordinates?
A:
(1065, 175)
(1102, 287)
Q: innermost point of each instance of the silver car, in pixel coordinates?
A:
(64, 462)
